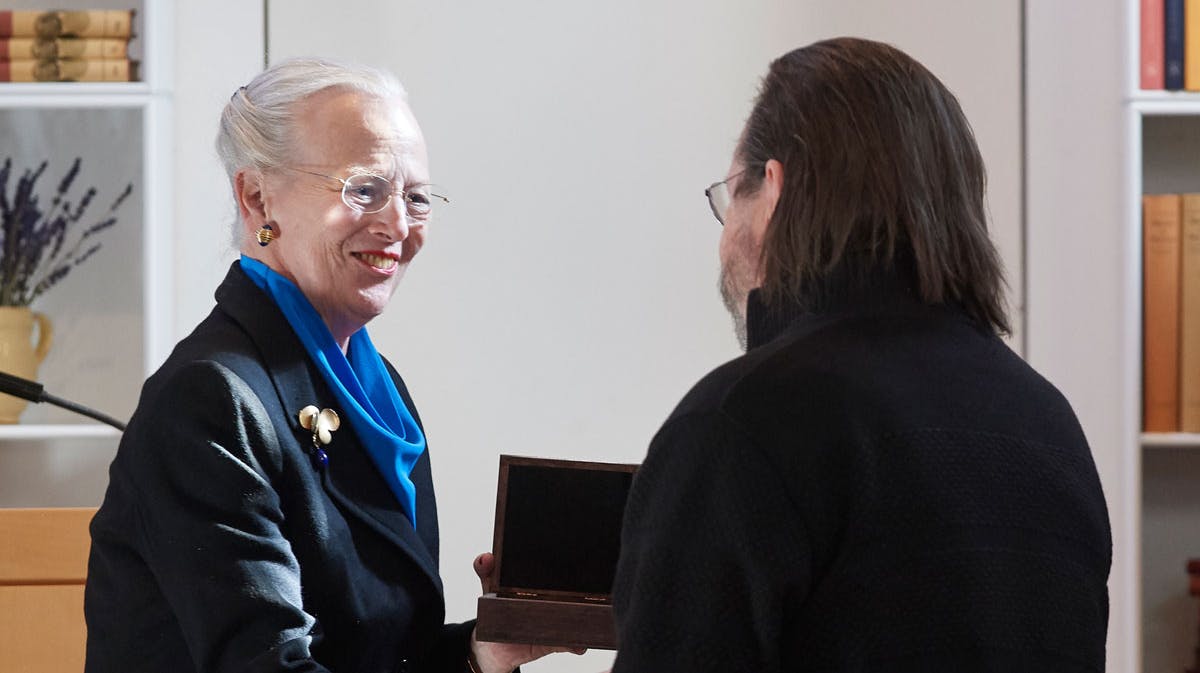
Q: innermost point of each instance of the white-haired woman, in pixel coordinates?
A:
(270, 507)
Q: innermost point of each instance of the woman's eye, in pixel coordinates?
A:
(365, 193)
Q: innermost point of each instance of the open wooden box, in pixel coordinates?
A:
(556, 543)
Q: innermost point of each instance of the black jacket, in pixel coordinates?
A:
(223, 545)
(877, 485)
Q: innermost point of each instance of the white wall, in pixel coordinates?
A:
(1076, 242)
(208, 70)
(567, 297)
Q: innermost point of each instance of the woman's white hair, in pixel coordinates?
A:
(257, 125)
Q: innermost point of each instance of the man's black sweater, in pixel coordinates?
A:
(877, 485)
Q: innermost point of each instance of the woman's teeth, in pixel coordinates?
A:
(377, 261)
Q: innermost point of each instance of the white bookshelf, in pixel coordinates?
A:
(112, 315)
(1162, 155)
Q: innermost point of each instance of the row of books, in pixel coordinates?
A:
(1170, 45)
(1171, 312)
(66, 46)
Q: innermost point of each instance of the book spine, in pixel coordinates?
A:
(39, 49)
(1173, 39)
(1191, 45)
(117, 70)
(81, 23)
(1189, 317)
(1161, 228)
(1152, 45)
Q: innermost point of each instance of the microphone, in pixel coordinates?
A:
(35, 392)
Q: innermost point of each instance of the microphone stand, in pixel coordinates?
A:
(35, 392)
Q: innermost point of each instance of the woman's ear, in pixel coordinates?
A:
(248, 193)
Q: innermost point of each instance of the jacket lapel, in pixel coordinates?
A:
(351, 479)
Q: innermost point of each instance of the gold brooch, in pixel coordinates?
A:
(321, 422)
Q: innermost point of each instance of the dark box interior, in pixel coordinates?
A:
(557, 541)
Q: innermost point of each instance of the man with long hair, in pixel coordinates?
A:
(879, 483)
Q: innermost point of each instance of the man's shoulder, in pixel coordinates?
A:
(744, 379)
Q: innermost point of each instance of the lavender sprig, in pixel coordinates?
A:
(35, 254)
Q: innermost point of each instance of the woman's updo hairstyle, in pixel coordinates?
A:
(257, 125)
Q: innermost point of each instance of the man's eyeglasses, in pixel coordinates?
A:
(370, 193)
(719, 196)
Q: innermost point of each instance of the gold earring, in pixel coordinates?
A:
(265, 235)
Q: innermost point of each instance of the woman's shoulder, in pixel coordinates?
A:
(217, 364)
(217, 339)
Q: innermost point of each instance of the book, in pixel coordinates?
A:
(53, 49)
(1189, 316)
(115, 70)
(1161, 228)
(1191, 45)
(55, 23)
(1173, 40)
(1152, 45)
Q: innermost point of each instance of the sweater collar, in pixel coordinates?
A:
(840, 292)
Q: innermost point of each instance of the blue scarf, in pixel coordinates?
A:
(371, 405)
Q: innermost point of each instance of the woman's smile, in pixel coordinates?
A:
(384, 262)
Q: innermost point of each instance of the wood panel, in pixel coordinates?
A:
(42, 629)
(43, 568)
(44, 546)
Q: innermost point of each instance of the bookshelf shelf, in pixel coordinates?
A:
(1148, 104)
(60, 431)
(74, 88)
(68, 95)
(1178, 440)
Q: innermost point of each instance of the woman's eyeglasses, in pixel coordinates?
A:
(370, 193)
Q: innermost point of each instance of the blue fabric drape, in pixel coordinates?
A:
(371, 404)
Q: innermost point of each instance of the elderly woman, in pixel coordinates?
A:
(271, 507)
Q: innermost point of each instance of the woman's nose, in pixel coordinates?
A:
(395, 218)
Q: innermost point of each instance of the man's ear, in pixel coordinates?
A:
(771, 188)
(248, 193)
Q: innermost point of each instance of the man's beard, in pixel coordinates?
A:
(736, 305)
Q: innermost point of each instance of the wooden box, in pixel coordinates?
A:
(556, 543)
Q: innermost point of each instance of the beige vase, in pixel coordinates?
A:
(19, 355)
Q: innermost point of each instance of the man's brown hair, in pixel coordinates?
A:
(881, 171)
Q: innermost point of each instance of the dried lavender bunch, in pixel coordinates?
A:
(34, 254)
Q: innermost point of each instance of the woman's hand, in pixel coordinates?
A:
(504, 657)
